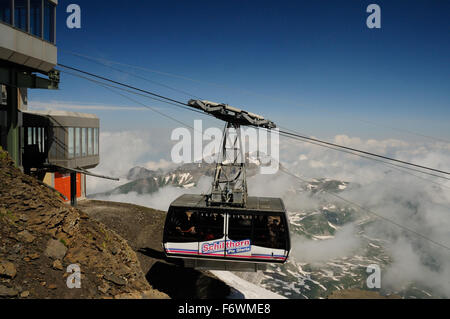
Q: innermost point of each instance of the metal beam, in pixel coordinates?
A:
(28, 80)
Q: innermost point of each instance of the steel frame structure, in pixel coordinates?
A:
(229, 187)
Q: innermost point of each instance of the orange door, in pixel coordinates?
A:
(62, 184)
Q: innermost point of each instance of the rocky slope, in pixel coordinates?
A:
(40, 236)
(142, 227)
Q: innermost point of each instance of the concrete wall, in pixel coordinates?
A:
(25, 49)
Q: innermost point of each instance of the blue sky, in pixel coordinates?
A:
(312, 66)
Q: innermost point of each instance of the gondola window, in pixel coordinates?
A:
(269, 232)
(183, 226)
(240, 226)
(210, 226)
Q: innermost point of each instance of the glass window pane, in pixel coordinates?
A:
(71, 142)
(4, 96)
(5, 11)
(30, 136)
(90, 140)
(35, 17)
(210, 226)
(83, 141)
(20, 14)
(77, 142)
(240, 226)
(39, 141)
(49, 21)
(182, 226)
(269, 232)
(96, 141)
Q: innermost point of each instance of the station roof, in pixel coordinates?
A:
(65, 118)
(256, 204)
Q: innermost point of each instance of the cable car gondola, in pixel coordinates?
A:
(233, 238)
(228, 230)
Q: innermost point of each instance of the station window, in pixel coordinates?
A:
(71, 138)
(4, 95)
(77, 142)
(21, 14)
(83, 141)
(35, 137)
(35, 17)
(30, 136)
(90, 142)
(39, 139)
(5, 11)
(49, 21)
(95, 141)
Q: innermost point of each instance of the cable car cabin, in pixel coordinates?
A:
(227, 238)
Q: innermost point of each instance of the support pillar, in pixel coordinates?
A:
(12, 121)
(73, 189)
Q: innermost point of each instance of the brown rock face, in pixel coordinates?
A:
(41, 237)
(7, 270)
(55, 249)
(8, 292)
(25, 236)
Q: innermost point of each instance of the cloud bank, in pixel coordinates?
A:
(419, 204)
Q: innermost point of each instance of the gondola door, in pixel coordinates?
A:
(239, 236)
(212, 234)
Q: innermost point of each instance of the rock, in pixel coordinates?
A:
(26, 237)
(57, 265)
(115, 279)
(55, 249)
(7, 270)
(8, 292)
(25, 294)
(103, 289)
(114, 251)
(147, 294)
(34, 256)
(129, 295)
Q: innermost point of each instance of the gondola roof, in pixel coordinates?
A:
(257, 204)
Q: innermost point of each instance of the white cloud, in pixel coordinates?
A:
(162, 198)
(161, 164)
(343, 244)
(60, 105)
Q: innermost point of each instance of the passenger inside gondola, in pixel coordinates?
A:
(274, 232)
(187, 224)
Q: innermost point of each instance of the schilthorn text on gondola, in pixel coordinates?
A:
(232, 246)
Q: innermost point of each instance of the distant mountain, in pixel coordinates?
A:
(139, 172)
(145, 181)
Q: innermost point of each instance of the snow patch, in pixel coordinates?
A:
(249, 290)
